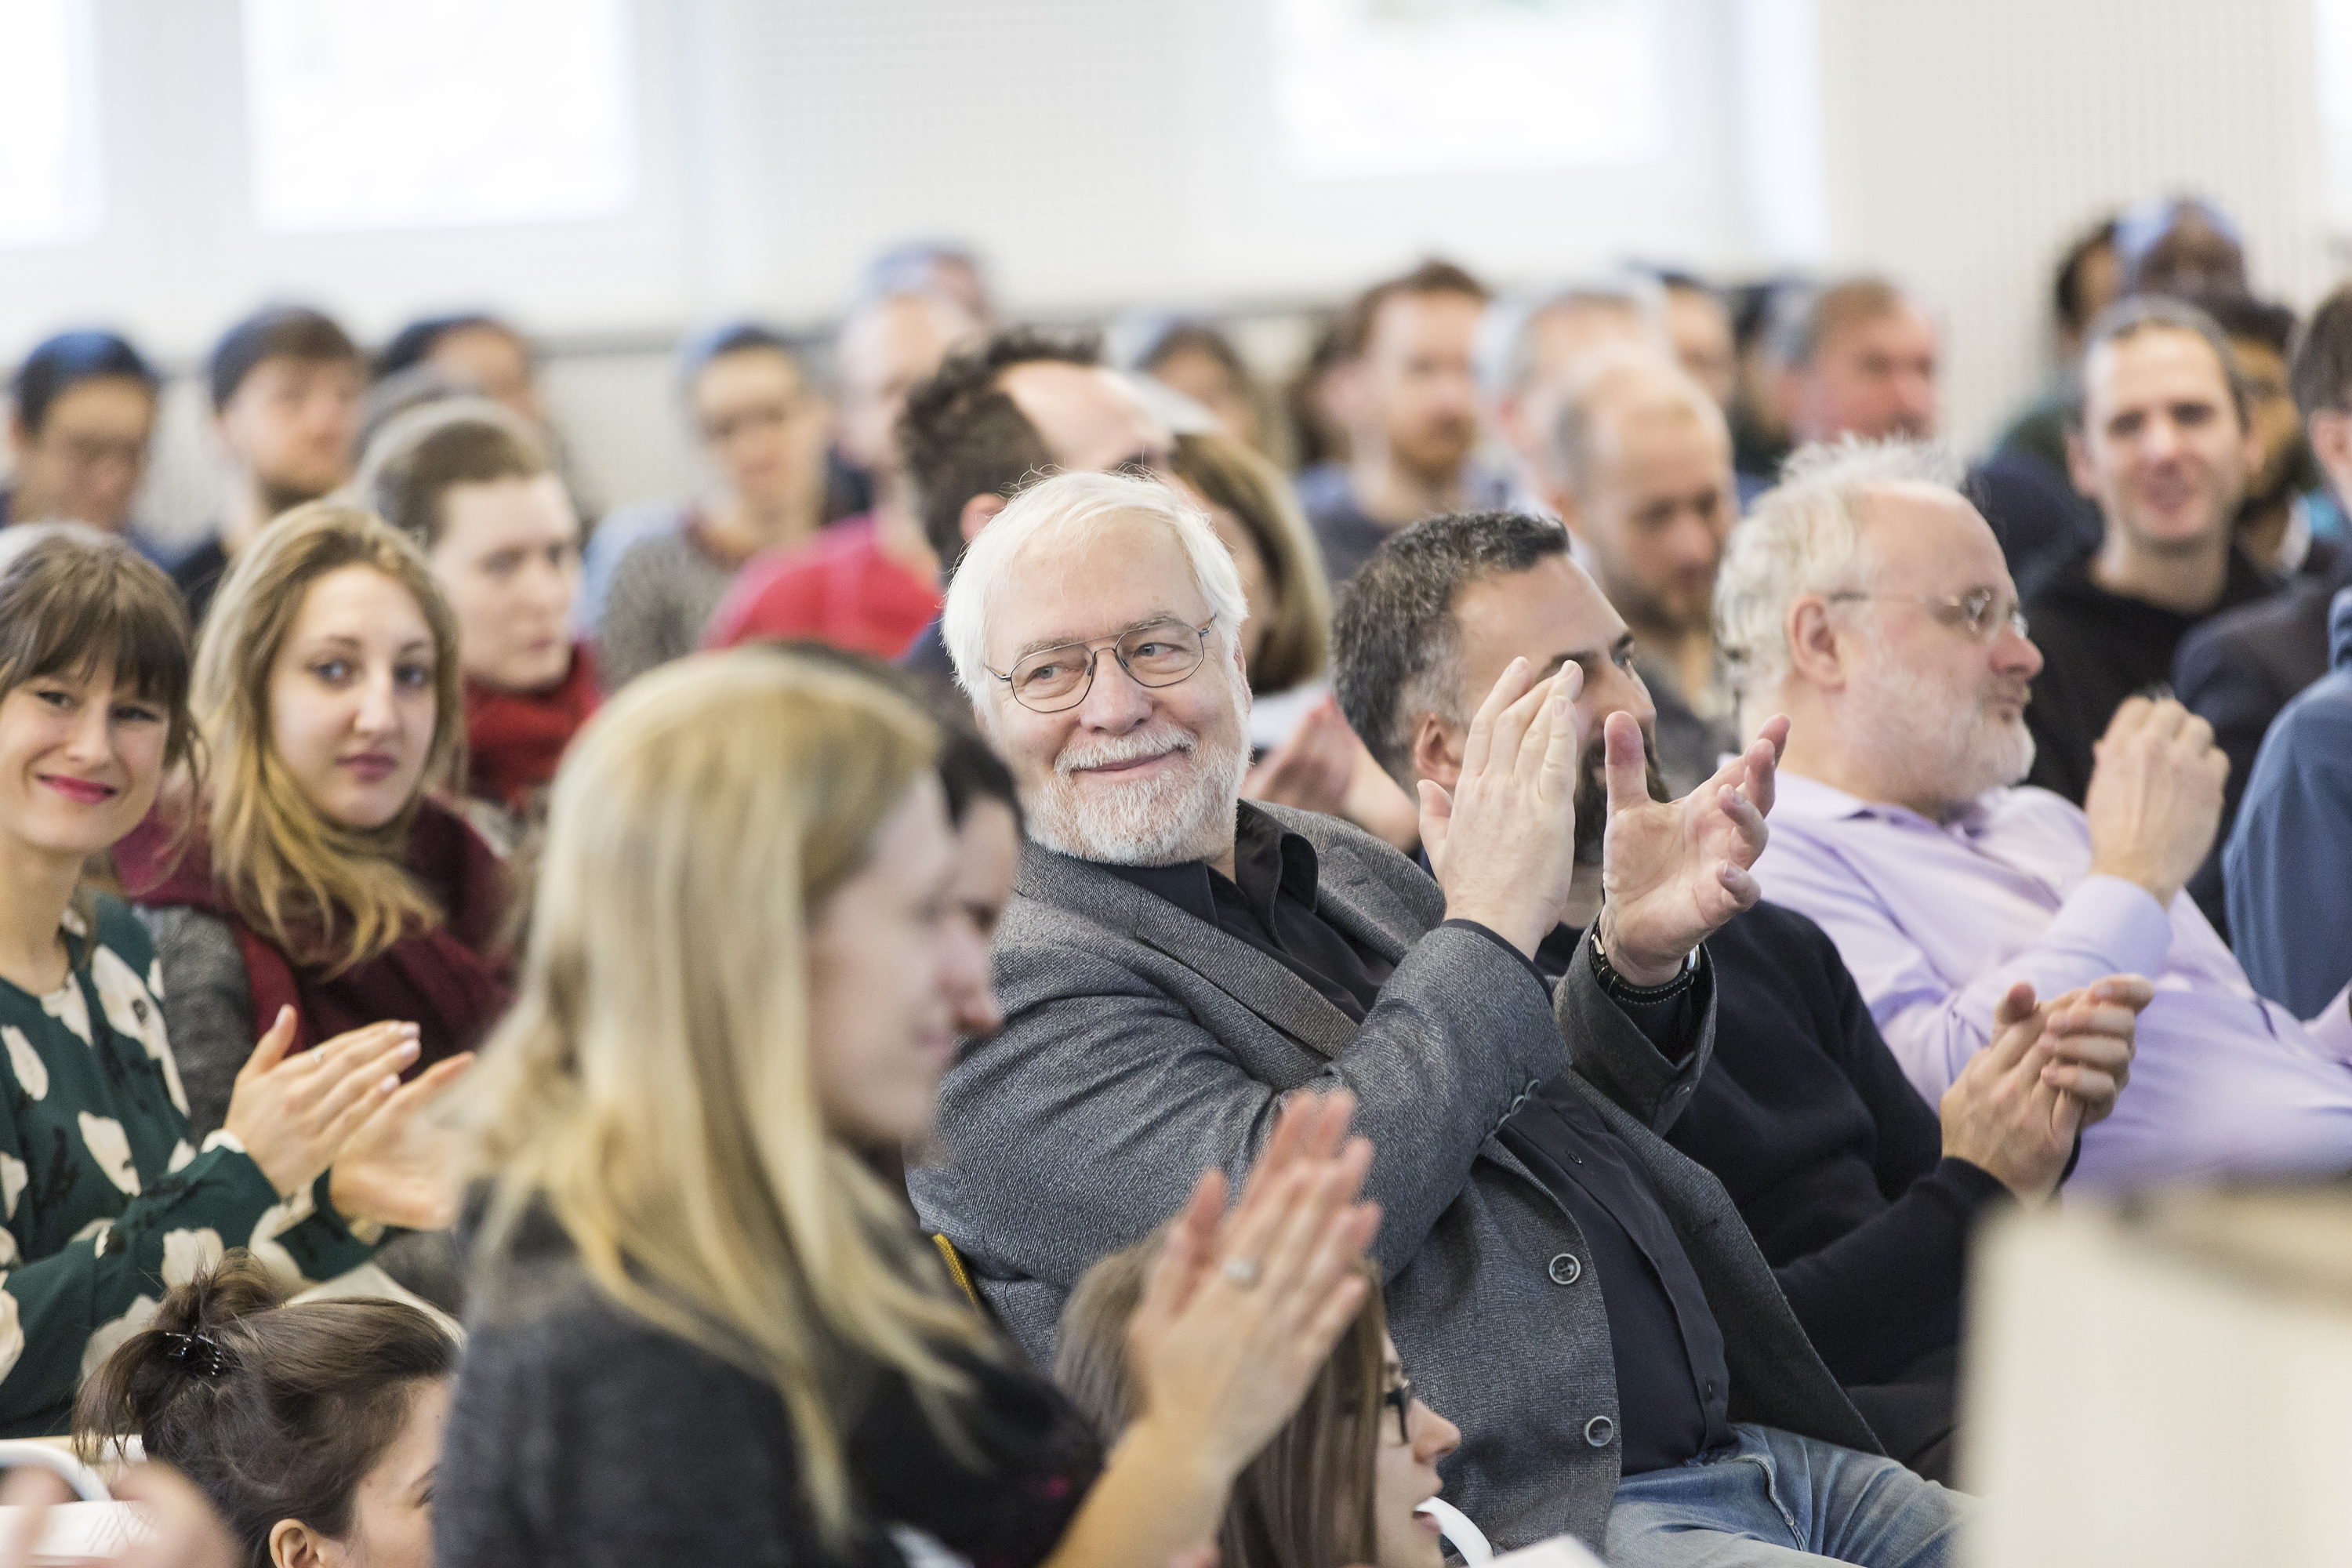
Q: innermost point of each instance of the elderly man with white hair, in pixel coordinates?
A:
(1581, 1299)
(1867, 600)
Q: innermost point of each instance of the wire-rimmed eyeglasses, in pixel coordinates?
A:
(1053, 680)
(1978, 614)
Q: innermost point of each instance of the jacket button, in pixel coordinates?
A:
(1565, 1269)
(1598, 1430)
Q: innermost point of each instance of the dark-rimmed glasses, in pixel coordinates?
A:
(1053, 679)
(1976, 614)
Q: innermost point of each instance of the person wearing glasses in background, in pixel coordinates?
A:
(81, 413)
(1865, 598)
(654, 574)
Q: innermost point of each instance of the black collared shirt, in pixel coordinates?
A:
(1673, 1389)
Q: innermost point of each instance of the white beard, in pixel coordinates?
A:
(1952, 754)
(1186, 812)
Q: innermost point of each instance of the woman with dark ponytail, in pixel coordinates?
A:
(314, 1430)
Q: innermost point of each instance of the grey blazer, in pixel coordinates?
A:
(1142, 1044)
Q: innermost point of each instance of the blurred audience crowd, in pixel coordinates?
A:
(1096, 952)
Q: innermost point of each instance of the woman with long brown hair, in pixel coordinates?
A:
(704, 1329)
(107, 1194)
(320, 873)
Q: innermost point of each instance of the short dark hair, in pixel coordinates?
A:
(960, 436)
(700, 349)
(415, 343)
(1354, 330)
(275, 331)
(450, 445)
(2138, 313)
(2242, 317)
(65, 361)
(2322, 374)
(1395, 640)
(275, 1411)
(2066, 301)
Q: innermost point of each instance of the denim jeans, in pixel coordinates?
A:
(1773, 1497)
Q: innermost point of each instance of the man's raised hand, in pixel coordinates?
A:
(1503, 842)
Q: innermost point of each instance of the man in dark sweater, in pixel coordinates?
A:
(2164, 445)
(1858, 1193)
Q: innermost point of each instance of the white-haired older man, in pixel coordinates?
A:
(1580, 1298)
(1867, 600)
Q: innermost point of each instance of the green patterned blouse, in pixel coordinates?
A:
(105, 1202)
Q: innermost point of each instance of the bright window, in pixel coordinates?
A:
(48, 140)
(1405, 87)
(369, 114)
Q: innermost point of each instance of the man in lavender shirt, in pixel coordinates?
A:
(1867, 599)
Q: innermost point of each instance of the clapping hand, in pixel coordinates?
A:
(1673, 871)
(1241, 1309)
(398, 1165)
(291, 1114)
(1503, 841)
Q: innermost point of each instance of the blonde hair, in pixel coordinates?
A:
(286, 866)
(653, 1087)
(1228, 472)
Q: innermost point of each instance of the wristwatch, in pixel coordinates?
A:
(1619, 988)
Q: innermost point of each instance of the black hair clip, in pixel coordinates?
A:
(200, 1353)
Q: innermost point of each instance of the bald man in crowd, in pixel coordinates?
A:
(1531, 346)
(1642, 460)
(1867, 599)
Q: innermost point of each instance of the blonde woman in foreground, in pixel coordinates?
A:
(704, 1330)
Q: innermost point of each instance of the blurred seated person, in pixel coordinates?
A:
(1185, 960)
(2237, 671)
(2164, 444)
(81, 421)
(1302, 752)
(1405, 389)
(1759, 437)
(2274, 521)
(933, 267)
(996, 416)
(1866, 598)
(868, 584)
(663, 566)
(1197, 358)
(1642, 461)
(1309, 418)
(285, 385)
(314, 1429)
(1859, 357)
(745, 981)
(2186, 246)
(1860, 1202)
(469, 483)
(490, 356)
(2089, 278)
(1698, 325)
(95, 1141)
(1531, 347)
(2290, 919)
(1343, 1482)
(321, 874)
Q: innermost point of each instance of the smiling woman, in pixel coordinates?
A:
(320, 873)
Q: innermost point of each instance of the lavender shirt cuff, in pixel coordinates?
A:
(2118, 924)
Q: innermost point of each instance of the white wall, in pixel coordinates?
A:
(1108, 151)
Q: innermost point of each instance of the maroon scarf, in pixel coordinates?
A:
(514, 739)
(450, 981)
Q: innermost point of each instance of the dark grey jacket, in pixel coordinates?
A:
(1141, 1045)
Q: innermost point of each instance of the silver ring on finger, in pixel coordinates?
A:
(1242, 1271)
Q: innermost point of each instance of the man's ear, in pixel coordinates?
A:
(1571, 516)
(1344, 393)
(2329, 431)
(1815, 655)
(978, 513)
(2078, 464)
(1437, 750)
